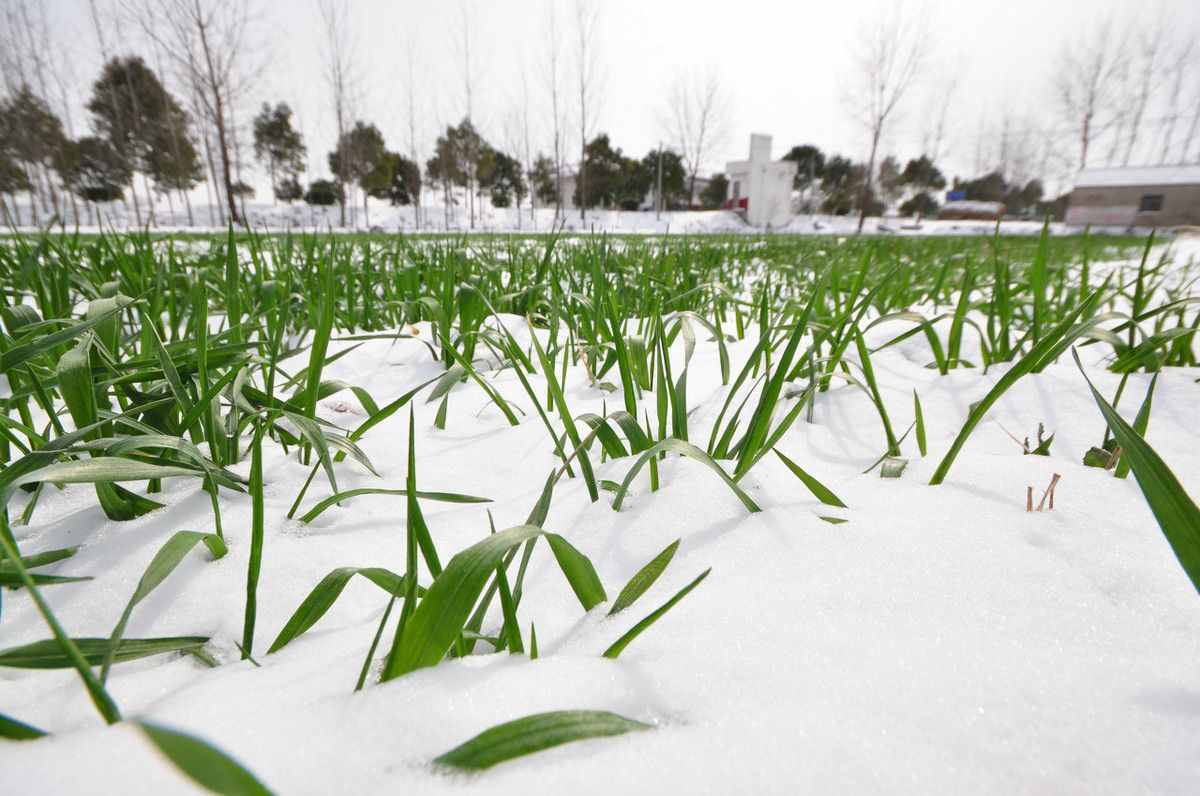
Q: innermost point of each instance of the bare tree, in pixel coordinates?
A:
(463, 41)
(1193, 128)
(1021, 150)
(937, 114)
(1181, 66)
(21, 69)
(206, 41)
(554, 82)
(527, 145)
(342, 77)
(1088, 81)
(587, 71)
(1151, 43)
(889, 56)
(40, 49)
(410, 96)
(698, 118)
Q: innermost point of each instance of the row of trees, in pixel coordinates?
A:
(173, 118)
(137, 126)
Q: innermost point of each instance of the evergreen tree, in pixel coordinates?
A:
(358, 158)
(12, 181)
(324, 193)
(503, 178)
(458, 155)
(398, 179)
(923, 174)
(674, 179)
(145, 126)
(810, 163)
(921, 204)
(544, 180)
(174, 162)
(31, 139)
(280, 146)
(988, 188)
(846, 189)
(289, 189)
(611, 179)
(713, 196)
(93, 170)
(890, 182)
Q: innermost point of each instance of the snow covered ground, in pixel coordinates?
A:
(383, 217)
(943, 640)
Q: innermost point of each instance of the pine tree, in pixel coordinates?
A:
(146, 127)
(544, 180)
(281, 146)
(31, 138)
(396, 179)
(357, 159)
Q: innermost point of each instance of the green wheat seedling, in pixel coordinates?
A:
(139, 369)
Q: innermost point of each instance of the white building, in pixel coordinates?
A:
(1137, 196)
(761, 188)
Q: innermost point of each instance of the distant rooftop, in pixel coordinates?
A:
(1138, 175)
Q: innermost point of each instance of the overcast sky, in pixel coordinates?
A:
(784, 64)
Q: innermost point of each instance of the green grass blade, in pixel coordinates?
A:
(257, 521)
(920, 422)
(684, 449)
(1140, 424)
(325, 594)
(49, 654)
(1177, 515)
(13, 730)
(162, 565)
(20, 354)
(440, 617)
(203, 763)
(644, 578)
(63, 644)
(100, 470)
(819, 490)
(442, 497)
(534, 734)
(624, 641)
(1035, 359)
(42, 559)
(580, 573)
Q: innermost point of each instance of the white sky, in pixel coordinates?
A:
(783, 63)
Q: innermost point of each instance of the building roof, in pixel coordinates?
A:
(1138, 175)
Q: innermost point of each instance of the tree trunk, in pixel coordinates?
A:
(866, 191)
(1085, 139)
(226, 172)
(210, 185)
(149, 200)
(1191, 136)
(137, 207)
(222, 138)
(583, 178)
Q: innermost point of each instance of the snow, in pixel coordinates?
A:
(971, 206)
(383, 217)
(943, 640)
(1138, 176)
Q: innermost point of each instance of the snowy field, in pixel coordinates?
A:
(941, 640)
(382, 217)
